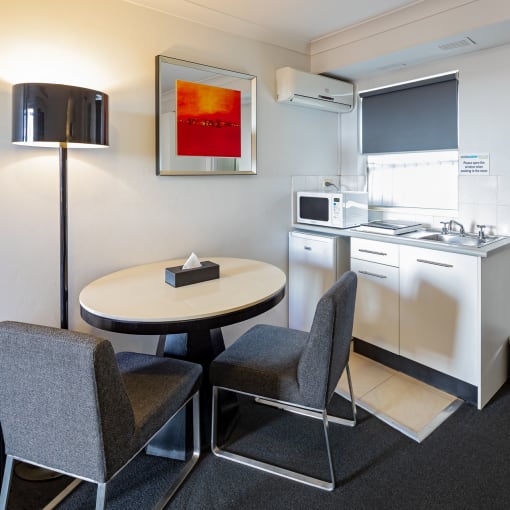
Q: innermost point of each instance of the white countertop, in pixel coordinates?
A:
(410, 239)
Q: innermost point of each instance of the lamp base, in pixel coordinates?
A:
(34, 473)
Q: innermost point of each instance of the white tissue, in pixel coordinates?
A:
(192, 262)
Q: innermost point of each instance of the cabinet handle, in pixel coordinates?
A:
(368, 273)
(442, 264)
(309, 248)
(373, 252)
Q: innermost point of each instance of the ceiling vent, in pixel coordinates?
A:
(392, 67)
(456, 45)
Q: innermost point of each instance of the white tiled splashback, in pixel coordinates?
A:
(483, 200)
(341, 183)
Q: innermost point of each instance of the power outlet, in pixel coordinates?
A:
(326, 183)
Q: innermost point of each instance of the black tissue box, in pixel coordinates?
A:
(178, 277)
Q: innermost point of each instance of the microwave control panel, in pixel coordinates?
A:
(337, 212)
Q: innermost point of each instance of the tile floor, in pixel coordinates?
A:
(411, 406)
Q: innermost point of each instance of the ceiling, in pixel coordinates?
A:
(292, 24)
(302, 25)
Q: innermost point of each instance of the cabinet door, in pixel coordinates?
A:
(312, 271)
(376, 316)
(439, 311)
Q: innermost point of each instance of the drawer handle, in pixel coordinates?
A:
(368, 273)
(309, 248)
(373, 252)
(442, 264)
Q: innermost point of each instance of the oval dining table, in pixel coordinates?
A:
(188, 319)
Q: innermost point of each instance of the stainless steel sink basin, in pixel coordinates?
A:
(461, 240)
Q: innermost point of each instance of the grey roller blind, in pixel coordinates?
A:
(418, 116)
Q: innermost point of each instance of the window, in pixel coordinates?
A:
(410, 137)
(425, 180)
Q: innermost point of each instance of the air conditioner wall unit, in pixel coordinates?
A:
(313, 90)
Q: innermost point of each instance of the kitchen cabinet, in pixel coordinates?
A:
(376, 318)
(316, 261)
(437, 315)
(440, 311)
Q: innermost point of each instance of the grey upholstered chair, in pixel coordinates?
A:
(68, 403)
(293, 370)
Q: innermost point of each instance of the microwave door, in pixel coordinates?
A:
(314, 209)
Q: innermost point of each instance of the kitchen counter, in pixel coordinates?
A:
(413, 239)
(433, 310)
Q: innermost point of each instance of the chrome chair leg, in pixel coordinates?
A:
(190, 463)
(346, 421)
(101, 496)
(330, 456)
(214, 420)
(264, 466)
(351, 392)
(6, 483)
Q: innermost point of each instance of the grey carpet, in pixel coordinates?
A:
(464, 464)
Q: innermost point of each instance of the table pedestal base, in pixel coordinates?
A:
(200, 346)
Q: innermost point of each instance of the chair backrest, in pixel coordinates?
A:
(327, 349)
(63, 403)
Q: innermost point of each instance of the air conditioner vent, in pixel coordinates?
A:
(455, 45)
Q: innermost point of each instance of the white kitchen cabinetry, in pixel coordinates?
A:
(454, 315)
(440, 311)
(437, 315)
(315, 263)
(376, 318)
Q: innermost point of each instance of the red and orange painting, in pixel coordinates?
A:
(208, 120)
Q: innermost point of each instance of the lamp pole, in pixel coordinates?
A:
(64, 291)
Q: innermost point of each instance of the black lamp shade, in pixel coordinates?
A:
(48, 114)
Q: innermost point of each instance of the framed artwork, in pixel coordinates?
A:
(205, 119)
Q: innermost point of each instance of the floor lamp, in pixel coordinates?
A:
(63, 116)
(51, 115)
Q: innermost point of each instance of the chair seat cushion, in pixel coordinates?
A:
(156, 387)
(263, 361)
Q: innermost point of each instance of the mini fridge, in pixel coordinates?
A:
(316, 261)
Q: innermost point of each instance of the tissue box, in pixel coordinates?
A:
(177, 276)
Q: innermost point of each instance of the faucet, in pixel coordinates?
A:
(461, 227)
(481, 233)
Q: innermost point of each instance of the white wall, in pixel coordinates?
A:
(120, 212)
(484, 127)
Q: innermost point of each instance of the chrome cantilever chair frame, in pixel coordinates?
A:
(292, 408)
(292, 369)
(101, 487)
(320, 414)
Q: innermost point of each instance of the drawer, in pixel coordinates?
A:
(376, 315)
(375, 251)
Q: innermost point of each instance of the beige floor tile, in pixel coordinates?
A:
(410, 406)
(407, 401)
(366, 375)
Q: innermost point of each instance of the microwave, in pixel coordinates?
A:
(338, 210)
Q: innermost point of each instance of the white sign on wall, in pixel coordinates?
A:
(474, 164)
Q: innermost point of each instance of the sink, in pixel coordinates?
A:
(460, 240)
(444, 238)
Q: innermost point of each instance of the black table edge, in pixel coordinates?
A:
(139, 327)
